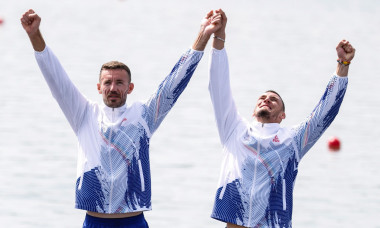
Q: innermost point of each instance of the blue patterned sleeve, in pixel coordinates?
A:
(309, 131)
(160, 103)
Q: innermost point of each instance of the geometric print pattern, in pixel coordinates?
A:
(113, 158)
(260, 161)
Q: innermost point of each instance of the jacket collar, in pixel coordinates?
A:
(266, 128)
(113, 113)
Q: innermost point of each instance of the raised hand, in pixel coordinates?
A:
(211, 23)
(30, 21)
(221, 32)
(345, 51)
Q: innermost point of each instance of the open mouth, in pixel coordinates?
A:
(266, 106)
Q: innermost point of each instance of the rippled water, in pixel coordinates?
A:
(284, 45)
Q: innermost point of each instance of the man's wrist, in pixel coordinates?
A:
(219, 38)
(221, 35)
(343, 61)
(37, 41)
(201, 41)
(342, 70)
(218, 42)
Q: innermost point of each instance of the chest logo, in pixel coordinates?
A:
(275, 139)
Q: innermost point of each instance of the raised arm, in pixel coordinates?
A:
(309, 131)
(30, 21)
(161, 102)
(227, 117)
(211, 23)
(220, 34)
(345, 53)
(71, 101)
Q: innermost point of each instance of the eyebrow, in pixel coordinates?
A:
(262, 96)
(272, 97)
(110, 79)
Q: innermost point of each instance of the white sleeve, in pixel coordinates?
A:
(227, 117)
(71, 101)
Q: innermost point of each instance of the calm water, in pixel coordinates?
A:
(284, 45)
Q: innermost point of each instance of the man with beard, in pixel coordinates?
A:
(113, 173)
(261, 158)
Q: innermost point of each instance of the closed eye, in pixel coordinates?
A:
(273, 99)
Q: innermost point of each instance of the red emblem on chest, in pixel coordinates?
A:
(275, 139)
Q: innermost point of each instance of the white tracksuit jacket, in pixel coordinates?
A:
(113, 173)
(260, 161)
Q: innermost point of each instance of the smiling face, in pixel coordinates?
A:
(269, 108)
(114, 85)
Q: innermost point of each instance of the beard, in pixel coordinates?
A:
(264, 114)
(116, 102)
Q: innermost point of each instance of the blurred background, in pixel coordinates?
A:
(285, 45)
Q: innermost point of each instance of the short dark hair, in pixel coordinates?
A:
(112, 65)
(282, 101)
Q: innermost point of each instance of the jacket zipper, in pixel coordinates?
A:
(254, 176)
(110, 161)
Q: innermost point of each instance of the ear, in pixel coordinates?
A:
(130, 88)
(280, 117)
(98, 85)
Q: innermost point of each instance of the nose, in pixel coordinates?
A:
(113, 86)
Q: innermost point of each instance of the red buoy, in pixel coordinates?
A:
(334, 144)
